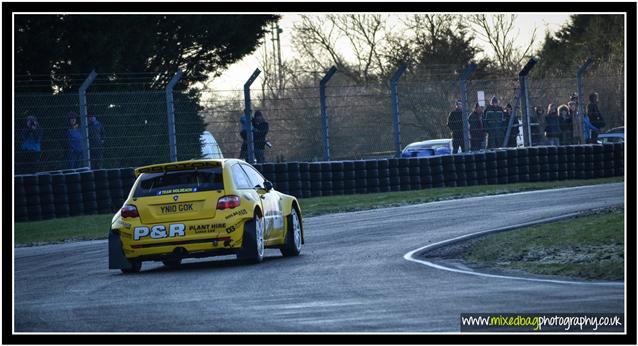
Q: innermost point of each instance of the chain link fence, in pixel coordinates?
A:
(134, 123)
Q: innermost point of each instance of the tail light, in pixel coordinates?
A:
(228, 202)
(129, 210)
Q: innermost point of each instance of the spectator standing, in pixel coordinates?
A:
(577, 122)
(75, 140)
(477, 133)
(566, 127)
(30, 145)
(244, 146)
(552, 125)
(588, 129)
(535, 125)
(454, 123)
(493, 116)
(260, 130)
(514, 130)
(96, 142)
(595, 117)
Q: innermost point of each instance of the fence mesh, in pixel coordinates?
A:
(135, 125)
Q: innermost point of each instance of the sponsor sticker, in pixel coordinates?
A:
(175, 191)
(206, 228)
(159, 231)
(237, 213)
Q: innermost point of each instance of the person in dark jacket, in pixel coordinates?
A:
(96, 142)
(244, 146)
(75, 140)
(535, 125)
(477, 133)
(566, 127)
(455, 124)
(260, 130)
(493, 123)
(552, 125)
(515, 124)
(31, 148)
(595, 117)
(577, 122)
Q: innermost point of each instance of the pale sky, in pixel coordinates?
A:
(237, 74)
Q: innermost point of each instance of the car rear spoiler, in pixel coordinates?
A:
(176, 166)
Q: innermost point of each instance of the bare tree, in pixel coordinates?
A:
(499, 33)
(321, 41)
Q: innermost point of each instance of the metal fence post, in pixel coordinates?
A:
(522, 78)
(396, 120)
(324, 113)
(466, 107)
(250, 145)
(513, 115)
(84, 123)
(581, 91)
(170, 111)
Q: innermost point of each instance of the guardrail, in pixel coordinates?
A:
(71, 193)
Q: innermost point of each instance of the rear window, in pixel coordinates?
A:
(158, 184)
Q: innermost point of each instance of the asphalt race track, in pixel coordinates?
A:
(350, 277)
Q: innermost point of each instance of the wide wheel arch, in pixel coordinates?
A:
(295, 205)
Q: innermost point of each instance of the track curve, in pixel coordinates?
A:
(351, 277)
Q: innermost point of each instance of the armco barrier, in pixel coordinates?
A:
(80, 192)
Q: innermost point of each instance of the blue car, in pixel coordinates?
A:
(428, 148)
(614, 135)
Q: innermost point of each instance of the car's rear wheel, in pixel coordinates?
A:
(252, 250)
(173, 263)
(292, 243)
(136, 266)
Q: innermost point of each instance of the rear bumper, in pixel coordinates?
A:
(190, 249)
(184, 254)
(123, 248)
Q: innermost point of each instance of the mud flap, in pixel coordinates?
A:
(117, 260)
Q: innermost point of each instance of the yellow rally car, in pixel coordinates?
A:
(202, 208)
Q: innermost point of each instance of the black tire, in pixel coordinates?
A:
(372, 173)
(137, 266)
(292, 242)
(283, 176)
(62, 209)
(437, 179)
(21, 213)
(436, 169)
(87, 181)
(268, 168)
(252, 248)
(173, 263)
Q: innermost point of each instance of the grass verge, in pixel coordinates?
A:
(96, 226)
(585, 247)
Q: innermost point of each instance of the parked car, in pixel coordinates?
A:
(202, 208)
(615, 135)
(428, 148)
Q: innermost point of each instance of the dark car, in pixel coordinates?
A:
(428, 148)
(615, 135)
